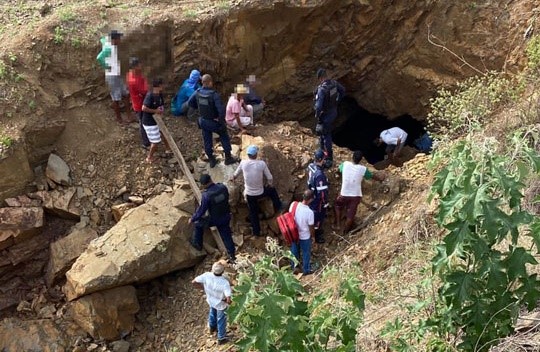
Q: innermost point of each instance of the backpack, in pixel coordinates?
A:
(287, 226)
(104, 53)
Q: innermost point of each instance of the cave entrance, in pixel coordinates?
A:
(360, 128)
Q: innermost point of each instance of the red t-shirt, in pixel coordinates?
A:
(137, 89)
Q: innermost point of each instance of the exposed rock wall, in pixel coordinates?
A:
(378, 49)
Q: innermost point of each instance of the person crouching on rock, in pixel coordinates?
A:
(153, 104)
(218, 296)
(238, 114)
(215, 200)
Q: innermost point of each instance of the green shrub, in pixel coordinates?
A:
(275, 312)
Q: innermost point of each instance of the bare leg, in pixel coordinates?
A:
(116, 107)
(348, 225)
(337, 218)
(151, 151)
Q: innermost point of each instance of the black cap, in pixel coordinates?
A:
(134, 61)
(205, 179)
(115, 34)
(321, 72)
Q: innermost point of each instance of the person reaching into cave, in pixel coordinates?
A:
(350, 195)
(218, 296)
(212, 120)
(255, 171)
(215, 200)
(138, 87)
(153, 104)
(318, 183)
(327, 96)
(108, 59)
(238, 114)
(395, 139)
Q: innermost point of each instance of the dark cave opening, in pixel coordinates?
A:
(360, 128)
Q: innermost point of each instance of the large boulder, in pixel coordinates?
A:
(15, 171)
(36, 335)
(62, 203)
(149, 241)
(57, 170)
(18, 224)
(108, 314)
(65, 251)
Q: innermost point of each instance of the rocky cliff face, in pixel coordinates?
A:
(380, 50)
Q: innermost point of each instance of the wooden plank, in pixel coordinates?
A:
(194, 187)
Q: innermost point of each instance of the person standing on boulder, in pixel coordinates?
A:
(218, 296)
(138, 87)
(153, 104)
(212, 120)
(255, 171)
(318, 183)
(215, 200)
(352, 174)
(108, 59)
(327, 96)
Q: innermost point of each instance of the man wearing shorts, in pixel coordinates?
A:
(352, 174)
(113, 76)
(153, 104)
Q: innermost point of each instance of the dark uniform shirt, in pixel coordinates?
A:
(218, 108)
(328, 94)
(318, 183)
(217, 208)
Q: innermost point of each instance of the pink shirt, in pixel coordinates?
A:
(234, 106)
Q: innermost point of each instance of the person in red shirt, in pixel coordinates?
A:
(138, 87)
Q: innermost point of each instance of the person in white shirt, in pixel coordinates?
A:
(218, 296)
(113, 76)
(352, 174)
(255, 171)
(394, 138)
(305, 223)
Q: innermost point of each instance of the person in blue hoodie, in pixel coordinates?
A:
(180, 106)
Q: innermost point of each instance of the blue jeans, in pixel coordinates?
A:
(218, 319)
(212, 126)
(222, 226)
(253, 206)
(325, 139)
(305, 247)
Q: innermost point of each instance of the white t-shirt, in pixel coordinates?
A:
(113, 62)
(254, 172)
(352, 176)
(216, 289)
(303, 217)
(391, 136)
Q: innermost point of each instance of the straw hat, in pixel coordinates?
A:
(241, 89)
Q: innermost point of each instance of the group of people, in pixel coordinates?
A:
(197, 95)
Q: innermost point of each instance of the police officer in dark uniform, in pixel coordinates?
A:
(327, 96)
(215, 200)
(212, 120)
(318, 183)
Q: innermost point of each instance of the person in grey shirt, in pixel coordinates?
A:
(255, 171)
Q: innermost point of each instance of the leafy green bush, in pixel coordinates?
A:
(533, 54)
(276, 313)
(455, 113)
(482, 262)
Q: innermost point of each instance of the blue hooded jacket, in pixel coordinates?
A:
(187, 89)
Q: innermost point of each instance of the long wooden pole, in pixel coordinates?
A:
(194, 187)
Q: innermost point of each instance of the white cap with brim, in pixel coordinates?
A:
(218, 268)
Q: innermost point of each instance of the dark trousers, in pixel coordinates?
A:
(144, 137)
(212, 126)
(319, 214)
(224, 228)
(253, 205)
(325, 139)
